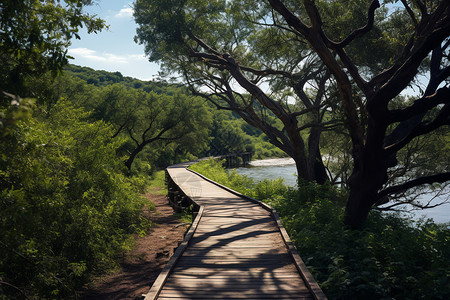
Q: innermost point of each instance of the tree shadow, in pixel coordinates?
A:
(236, 260)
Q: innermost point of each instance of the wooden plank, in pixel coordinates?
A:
(282, 257)
(217, 285)
(259, 276)
(233, 220)
(230, 232)
(243, 227)
(294, 280)
(235, 295)
(279, 297)
(230, 283)
(231, 252)
(229, 271)
(238, 240)
(236, 244)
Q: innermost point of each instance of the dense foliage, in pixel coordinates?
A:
(66, 209)
(392, 258)
(122, 100)
(34, 37)
(102, 78)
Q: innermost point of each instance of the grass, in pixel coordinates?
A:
(156, 184)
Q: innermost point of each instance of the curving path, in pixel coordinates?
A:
(236, 249)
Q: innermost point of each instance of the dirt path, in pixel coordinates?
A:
(142, 265)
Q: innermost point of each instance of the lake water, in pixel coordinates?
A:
(285, 168)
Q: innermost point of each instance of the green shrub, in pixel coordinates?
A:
(264, 149)
(212, 168)
(391, 258)
(66, 209)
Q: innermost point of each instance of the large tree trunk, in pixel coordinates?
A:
(315, 162)
(362, 197)
(368, 177)
(309, 163)
(311, 169)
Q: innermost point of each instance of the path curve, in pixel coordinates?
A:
(236, 248)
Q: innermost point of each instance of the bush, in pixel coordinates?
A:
(66, 209)
(391, 258)
(212, 168)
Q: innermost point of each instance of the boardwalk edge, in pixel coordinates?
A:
(156, 288)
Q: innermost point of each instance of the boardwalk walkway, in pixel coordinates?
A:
(234, 250)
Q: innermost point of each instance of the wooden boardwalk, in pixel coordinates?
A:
(235, 249)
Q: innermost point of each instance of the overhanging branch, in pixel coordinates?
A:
(437, 178)
(442, 119)
(442, 96)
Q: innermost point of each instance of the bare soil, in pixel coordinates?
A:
(141, 267)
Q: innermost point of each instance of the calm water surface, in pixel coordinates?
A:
(285, 168)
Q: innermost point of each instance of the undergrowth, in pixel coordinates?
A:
(392, 257)
(67, 209)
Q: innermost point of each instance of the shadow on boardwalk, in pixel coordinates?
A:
(236, 251)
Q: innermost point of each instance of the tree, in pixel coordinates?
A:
(372, 149)
(228, 137)
(34, 36)
(230, 65)
(182, 34)
(146, 118)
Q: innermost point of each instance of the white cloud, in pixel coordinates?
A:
(83, 52)
(133, 65)
(126, 12)
(105, 57)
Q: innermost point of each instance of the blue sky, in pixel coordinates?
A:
(114, 49)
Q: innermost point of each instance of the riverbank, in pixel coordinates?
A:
(285, 168)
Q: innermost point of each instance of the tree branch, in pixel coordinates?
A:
(266, 72)
(422, 8)
(437, 178)
(406, 72)
(307, 110)
(360, 31)
(391, 207)
(212, 57)
(329, 124)
(118, 130)
(204, 45)
(132, 137)
(362, 84)
(290, 18)
(442, 96)
(313, 13)
(441, 119)
(420, 43)
(410, 12)
(14, 287)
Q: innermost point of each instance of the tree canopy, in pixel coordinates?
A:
(34, 36)
(300, 61)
